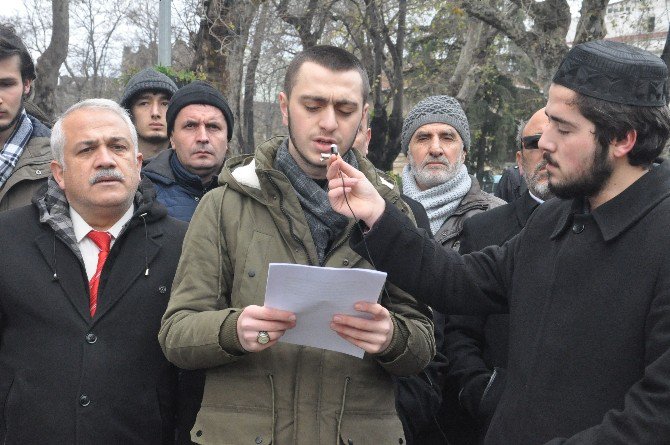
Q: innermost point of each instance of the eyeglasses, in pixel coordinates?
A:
(530, 142)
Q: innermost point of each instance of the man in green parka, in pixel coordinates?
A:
(273, 207)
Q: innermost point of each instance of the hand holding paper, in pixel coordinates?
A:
(372, 335)
(317, 294)
(255, 319)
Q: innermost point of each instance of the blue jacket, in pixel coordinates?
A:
(176, 188)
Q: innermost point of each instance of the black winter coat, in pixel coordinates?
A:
(589, 348)
(177, 189)
(476, 346)
(67, 378)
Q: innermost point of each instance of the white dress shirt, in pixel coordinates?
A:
(89, 250)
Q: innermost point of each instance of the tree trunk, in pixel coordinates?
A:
(397, 81)
(666, 58)
(591, 24)
(379, 116)
(242, 14)
(212, 42)
(49, 63)
(544, 43)
(250, 81)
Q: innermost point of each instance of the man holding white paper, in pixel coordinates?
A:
(272, 207)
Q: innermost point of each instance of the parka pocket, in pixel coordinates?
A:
(216, 426)
(237, 408)
(371, 430)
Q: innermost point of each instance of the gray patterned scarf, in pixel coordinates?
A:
(324, 223)
(439, 201)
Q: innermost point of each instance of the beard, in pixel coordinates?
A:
(590, 183)
(429, 178)
(537, 184)
(16, 118)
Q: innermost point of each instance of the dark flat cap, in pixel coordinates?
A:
(615, 72)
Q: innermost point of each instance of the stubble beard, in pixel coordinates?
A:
(16, 118)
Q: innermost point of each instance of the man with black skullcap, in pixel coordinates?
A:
(586, 282)
(146, 98)
(199, 124)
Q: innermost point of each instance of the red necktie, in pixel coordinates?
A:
(102, 240)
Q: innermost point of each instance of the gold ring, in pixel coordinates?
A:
(263, 337)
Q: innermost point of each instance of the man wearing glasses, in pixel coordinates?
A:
(476, 346)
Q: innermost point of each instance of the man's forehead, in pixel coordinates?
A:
(315, 80)
(10, 67)
(561, 105)
(536, 123)
(435, 128)
(92, 123)
(151, 94)
(200, 112)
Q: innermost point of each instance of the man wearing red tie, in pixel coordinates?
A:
(87, 275)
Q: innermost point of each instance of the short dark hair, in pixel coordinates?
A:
(613, 121)
(331, 57)
(10, 45)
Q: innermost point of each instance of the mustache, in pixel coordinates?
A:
(442, 159)
(105, 175)
(203, 148)
(540, 165)
(547, 159)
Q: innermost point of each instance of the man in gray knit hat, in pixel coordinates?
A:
(146, 97)
(436, 138)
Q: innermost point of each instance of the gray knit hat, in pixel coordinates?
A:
(146, 80)
(436, 109)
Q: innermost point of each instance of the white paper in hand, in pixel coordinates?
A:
(315, 294)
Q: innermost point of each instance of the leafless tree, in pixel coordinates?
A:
(49, 63)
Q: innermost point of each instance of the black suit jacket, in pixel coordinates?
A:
(67, 377)
(476, 346)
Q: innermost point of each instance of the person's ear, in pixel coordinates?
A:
(519, 162)
(283, 106)
(620, 148)
(57, 172)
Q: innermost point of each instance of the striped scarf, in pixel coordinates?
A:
(14, 146)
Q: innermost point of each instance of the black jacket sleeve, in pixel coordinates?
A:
(472, 284)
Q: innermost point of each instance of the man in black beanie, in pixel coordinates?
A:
(199, 125)
(586, 282)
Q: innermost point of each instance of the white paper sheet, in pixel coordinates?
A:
(315, 294)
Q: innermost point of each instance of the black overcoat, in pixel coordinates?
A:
(476, 346)
(589, 348)
(67, 378)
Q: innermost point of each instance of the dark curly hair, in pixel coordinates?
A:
(613, 121)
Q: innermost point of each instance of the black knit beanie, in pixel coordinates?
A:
(202, 93)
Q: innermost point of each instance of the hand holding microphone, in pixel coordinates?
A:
(351, 194)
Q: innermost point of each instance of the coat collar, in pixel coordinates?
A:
(525, 205)
(624, 210)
